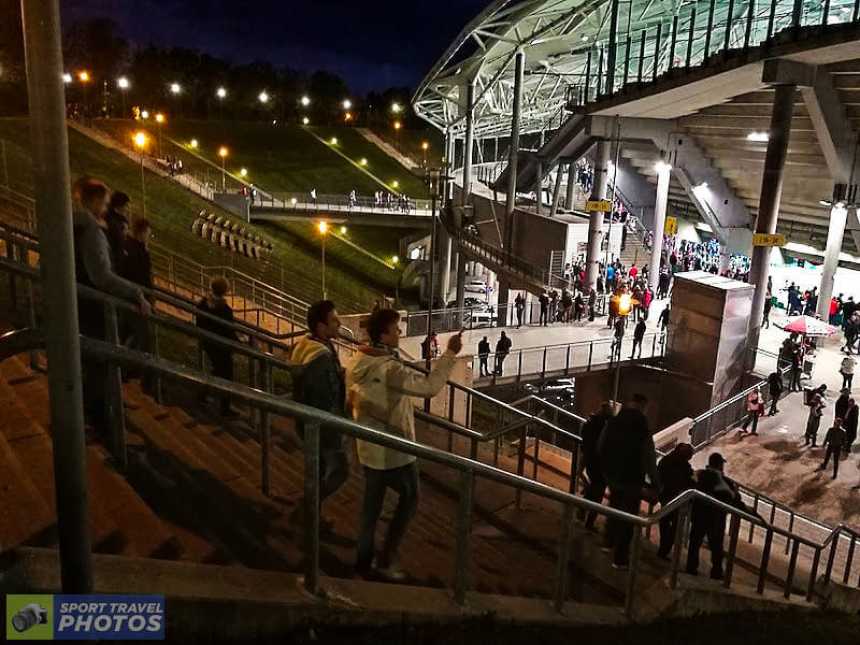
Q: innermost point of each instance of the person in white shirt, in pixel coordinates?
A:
(847, 371)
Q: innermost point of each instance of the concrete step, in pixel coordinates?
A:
(25, 517)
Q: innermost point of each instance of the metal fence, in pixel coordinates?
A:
(399, 205)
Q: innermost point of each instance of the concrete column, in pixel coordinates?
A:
(513, 156)
(571, 185)
(467, 183)
(595, 221)
(664, 175)
(556, 193)
(835, 233)
(768, 210)
(539, 188)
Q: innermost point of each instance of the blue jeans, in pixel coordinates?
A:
(403, 481)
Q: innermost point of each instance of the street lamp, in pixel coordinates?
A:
(140, 140)
(306, 121)
(264, 97)
(84, 78)
(144, 115)
(343, 230)
(363, 161)
(223, 152)
(194, 144)
(425, 146)
(243, 172)
(305, 101)
(333, 141)
(123, 84)
(221, 93)
(396, 108)
(347, 104)
(160, 119)
(323, 229)
(397, 126)
(175, 88)
(67, 78)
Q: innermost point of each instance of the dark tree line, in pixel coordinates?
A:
(98, 47)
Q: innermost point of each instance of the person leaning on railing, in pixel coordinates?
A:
(379, 393)
(94, 268)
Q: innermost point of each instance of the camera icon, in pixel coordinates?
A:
(29, 616)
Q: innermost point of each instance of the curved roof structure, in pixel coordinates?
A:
(566, 49)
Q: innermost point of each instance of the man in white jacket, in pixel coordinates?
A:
(380, 390)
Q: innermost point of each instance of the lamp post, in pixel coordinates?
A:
(123, 84)
(397, 126)
(223, 152)
(433, 182)
(140, 140)
(160, 119)
(323, 229)
(221, 94)
(84, 78)
(425, 146)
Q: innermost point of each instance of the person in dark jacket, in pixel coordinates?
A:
(94, 268)
(707, 520)
(776, 385)
(851, 417)
(136, 267)
(117, 226)
(591, 432)
(503, 348)
(676, 476)
(834, 442)
(638, 337)
(322, 385)
(627, 456)
(220, 357)
(840, 408)
(483, 357)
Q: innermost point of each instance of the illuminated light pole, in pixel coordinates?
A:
(160, 119)
(243, 172)
(194, 144)
(263, 97)
(140, 140)
(84, 78)
(397, 126)
(396, 108)
(306, 121)
(123, 84)
(347, 104)
(221, 93)
(425, 146)
(67, 78)
(323, 229)
(305, 101)
(175, 88)
(223, 152)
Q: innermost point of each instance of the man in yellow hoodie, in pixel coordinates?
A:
(380, 390)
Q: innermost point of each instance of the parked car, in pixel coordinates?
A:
(558, 391)
(476, 286)
(476, 319)
(470, 303)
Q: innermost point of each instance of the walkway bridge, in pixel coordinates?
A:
(365, 211)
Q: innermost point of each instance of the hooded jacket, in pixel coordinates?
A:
(379, 389)
(320, 383)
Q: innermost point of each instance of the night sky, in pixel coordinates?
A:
(372, 44)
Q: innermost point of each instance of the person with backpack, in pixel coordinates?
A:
(591, 433)
(321, 384)
(676, 476)
(776, 386)
(221, 357)
(846, 369)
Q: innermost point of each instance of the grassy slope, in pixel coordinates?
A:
(172, 210)
(288, 159)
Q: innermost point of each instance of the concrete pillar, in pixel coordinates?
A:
(467, 190)
(556, 193)
(835, 233)
(513, 163)
(595, 221)
(539, 188)
(664, 176)
(571, 185)
(768, 210)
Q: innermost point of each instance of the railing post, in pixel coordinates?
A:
(728, 34)
(114, 408)
(520, 366)
(792, 565)
(574, 468)
(691, 35)
(464, 536)
(641, 57)
(312, 506)
(156, 376)
(765, 561)
(587, 77)
(590, 355)
(626, 60)
(631, 575)
(543, 365)
(797, 14)
(562, 572)
(567, 362)
(674, 41)
(755, 510)
(709, 29)
(813, 573)
(750, 18)
(657, 51)
(265, 429)
(828, 571)
(790, 528)
(771, 17)
(734, 533)
(680, 524)
(847, 575)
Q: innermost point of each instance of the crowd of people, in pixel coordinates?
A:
(619, 454)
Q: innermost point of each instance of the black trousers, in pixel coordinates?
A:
(836, 453)
(403, 481)
(594, 492)
(619, 534)
(847, 380)
(543, 315)
(752, 418)
(712, 525)
(637, 344)
(483, 369)
(222, 366)
(774, 401)
(668, 526)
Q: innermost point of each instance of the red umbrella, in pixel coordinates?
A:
(810, 326)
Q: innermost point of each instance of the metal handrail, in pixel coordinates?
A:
(313, 419)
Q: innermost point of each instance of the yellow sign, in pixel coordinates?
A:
(766, 239)
(598, 206)
(671, 227)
